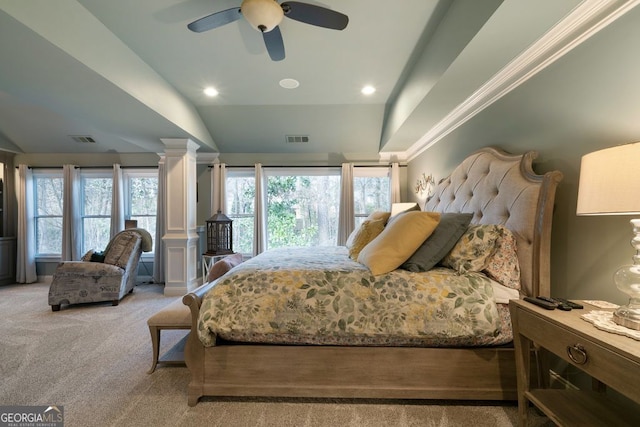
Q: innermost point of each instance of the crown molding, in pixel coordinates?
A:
(585, 20)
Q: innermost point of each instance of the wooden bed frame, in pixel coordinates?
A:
(498, 188)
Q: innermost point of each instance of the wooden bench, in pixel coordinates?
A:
(178, 316)
(174, 316)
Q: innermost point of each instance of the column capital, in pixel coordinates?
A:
(179, 145)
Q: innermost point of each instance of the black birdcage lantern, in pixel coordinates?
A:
(219, 235)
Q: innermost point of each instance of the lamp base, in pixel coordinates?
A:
(627, 317)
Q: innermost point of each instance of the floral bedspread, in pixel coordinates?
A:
(320, 296)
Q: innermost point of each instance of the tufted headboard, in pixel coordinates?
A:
(501, 188)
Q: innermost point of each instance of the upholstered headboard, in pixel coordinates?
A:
(501, 188)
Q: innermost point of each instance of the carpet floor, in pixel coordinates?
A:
(92, 359)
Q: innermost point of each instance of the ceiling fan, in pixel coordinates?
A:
(266, 15)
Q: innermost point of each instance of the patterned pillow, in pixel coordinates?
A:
(472, 250)
(87, 257)
(503, 266)
(367, 231)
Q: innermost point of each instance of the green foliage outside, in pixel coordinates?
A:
(301, 210)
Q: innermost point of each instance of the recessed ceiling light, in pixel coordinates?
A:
(211, 91)
(368, 90)
(289, 83)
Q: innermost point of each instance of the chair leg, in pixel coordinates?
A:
(155, 344)
(55, 307)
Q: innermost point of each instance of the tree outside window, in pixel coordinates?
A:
(141, 197)
(96, 190)
(240, 207)
(302, 207)
(371, 192)
(47, 185)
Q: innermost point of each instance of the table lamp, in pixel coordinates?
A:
(610, 185)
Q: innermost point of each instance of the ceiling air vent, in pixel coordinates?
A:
(85, 139)
(297, 139)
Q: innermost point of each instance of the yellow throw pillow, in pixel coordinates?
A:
(379, 215)
(398, 241)
(367, 231)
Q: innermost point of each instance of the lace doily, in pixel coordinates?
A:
(604, 320)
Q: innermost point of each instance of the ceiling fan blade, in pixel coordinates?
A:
(274, 43)
(315, 15)
(215, 20)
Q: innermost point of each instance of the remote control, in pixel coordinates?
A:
(541, 303)
(571, 304)
(560, 305)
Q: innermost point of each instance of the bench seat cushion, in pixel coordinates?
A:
(174, 315)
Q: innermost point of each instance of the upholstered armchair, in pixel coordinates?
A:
(95, 279)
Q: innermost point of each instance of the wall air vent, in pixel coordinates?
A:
(297, 139)
(85, 139)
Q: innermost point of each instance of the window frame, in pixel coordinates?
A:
(93, 174)
(127, 175)
(297, 171)
(371, 172)
(50, 173)
(241, 173)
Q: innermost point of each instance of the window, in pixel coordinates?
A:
(141, 197)
(47, 186)
(96, 190)
(371, 191)
(302, 206)
(240, 207)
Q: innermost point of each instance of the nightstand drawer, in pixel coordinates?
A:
(617, 371)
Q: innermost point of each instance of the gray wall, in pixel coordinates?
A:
(587, 100)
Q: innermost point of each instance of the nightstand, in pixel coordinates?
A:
(612, 359)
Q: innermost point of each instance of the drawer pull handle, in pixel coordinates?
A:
(577, 354)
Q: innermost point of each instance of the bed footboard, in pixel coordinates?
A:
(355, 372)
(194, 349)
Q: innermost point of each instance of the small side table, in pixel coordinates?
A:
(609, 358)
(207, 261)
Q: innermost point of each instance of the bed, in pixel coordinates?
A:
(498, 189)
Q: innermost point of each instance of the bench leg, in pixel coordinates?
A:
(155, 343)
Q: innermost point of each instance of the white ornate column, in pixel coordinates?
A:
(180, 237)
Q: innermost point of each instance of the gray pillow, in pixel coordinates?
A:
(451, 227)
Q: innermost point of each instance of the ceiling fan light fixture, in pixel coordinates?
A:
(263, 15)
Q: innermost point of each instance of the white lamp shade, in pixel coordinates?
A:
(610, 181)
(263, 15)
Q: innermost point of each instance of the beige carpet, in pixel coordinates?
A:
(92, 360)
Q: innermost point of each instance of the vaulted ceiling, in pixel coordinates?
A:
(128, 73)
